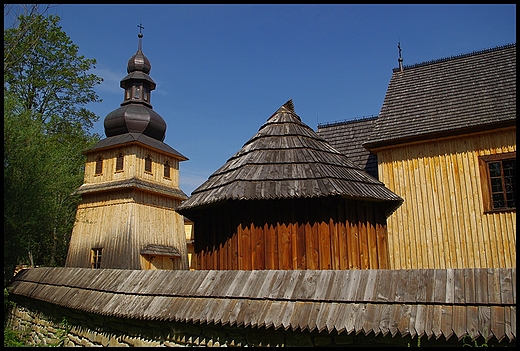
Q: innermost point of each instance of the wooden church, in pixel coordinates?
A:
(445, 141)
(127, 217)
(288, 201)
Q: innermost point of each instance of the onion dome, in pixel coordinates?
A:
(139, 62)
(136, 114)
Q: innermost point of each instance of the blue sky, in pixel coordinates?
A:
(222, 70)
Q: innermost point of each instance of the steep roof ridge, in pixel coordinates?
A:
(320, 145)
(473, 53)
(287, 159)
(444, 99)
(346, 121)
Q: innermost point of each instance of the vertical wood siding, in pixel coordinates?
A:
(133, 166)
(442, 223)
(123, 223)
(291, 234)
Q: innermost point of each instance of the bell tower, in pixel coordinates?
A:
(127, 218)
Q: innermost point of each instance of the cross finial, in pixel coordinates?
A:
(140, 35)
(400, 60)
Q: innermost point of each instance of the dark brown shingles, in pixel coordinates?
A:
(348, 138)
(139, 138)
(457, 93)
(287, 159)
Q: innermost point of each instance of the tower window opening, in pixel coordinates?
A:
(167, 168)
(146, 93)
(119, 162)
(137, 92)
(148, 164)
(96, 257)
(99, 165)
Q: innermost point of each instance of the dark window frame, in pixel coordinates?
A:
(120, 162)
(148, 164)
(97, 253)
(497, 186)
(99, 166)
(167, 170)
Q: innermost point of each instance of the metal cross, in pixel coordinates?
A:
(140, 26)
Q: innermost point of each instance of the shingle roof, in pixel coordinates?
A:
(134, 183)
(348, 137)
(139, 138)
(417, 302)
(287, 159)
(159, 250)
(449, 95)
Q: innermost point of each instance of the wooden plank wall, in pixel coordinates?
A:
(292, 234)
(442, 223)
(122, 223)
(133, 166)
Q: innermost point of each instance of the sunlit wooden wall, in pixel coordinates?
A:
(442, 223)
(291, 234)
(133, 166)
(122, 222)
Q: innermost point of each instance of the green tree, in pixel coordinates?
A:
(47, 75)
(46, 129)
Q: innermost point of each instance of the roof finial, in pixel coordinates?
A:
(400, 60)
(140, 36)
(289, 105)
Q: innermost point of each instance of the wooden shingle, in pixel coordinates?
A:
(348, 137)
(355, 310)
(448, 96)
(287, 159)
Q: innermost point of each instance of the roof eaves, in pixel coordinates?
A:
(375, 144)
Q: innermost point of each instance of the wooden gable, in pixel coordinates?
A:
(439, 121)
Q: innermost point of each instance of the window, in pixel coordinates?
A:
(498, 177)
(167, 170)
(137, 92)
(146, 93)
(96, 258)
(148, 164)
(99, 165)
(119, 162)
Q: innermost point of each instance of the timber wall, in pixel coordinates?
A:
(133, 166)
(332, 233)
(442, 223)
(123, 223)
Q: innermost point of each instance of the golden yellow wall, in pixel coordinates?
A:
(122, 224)
(133, 166)
(442, 223)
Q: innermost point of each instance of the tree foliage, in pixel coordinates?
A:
(47, 75)
(46, 129)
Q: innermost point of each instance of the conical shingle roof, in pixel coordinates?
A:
(287, 159)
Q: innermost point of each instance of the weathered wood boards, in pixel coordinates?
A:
(376, 301)
(331, 233)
